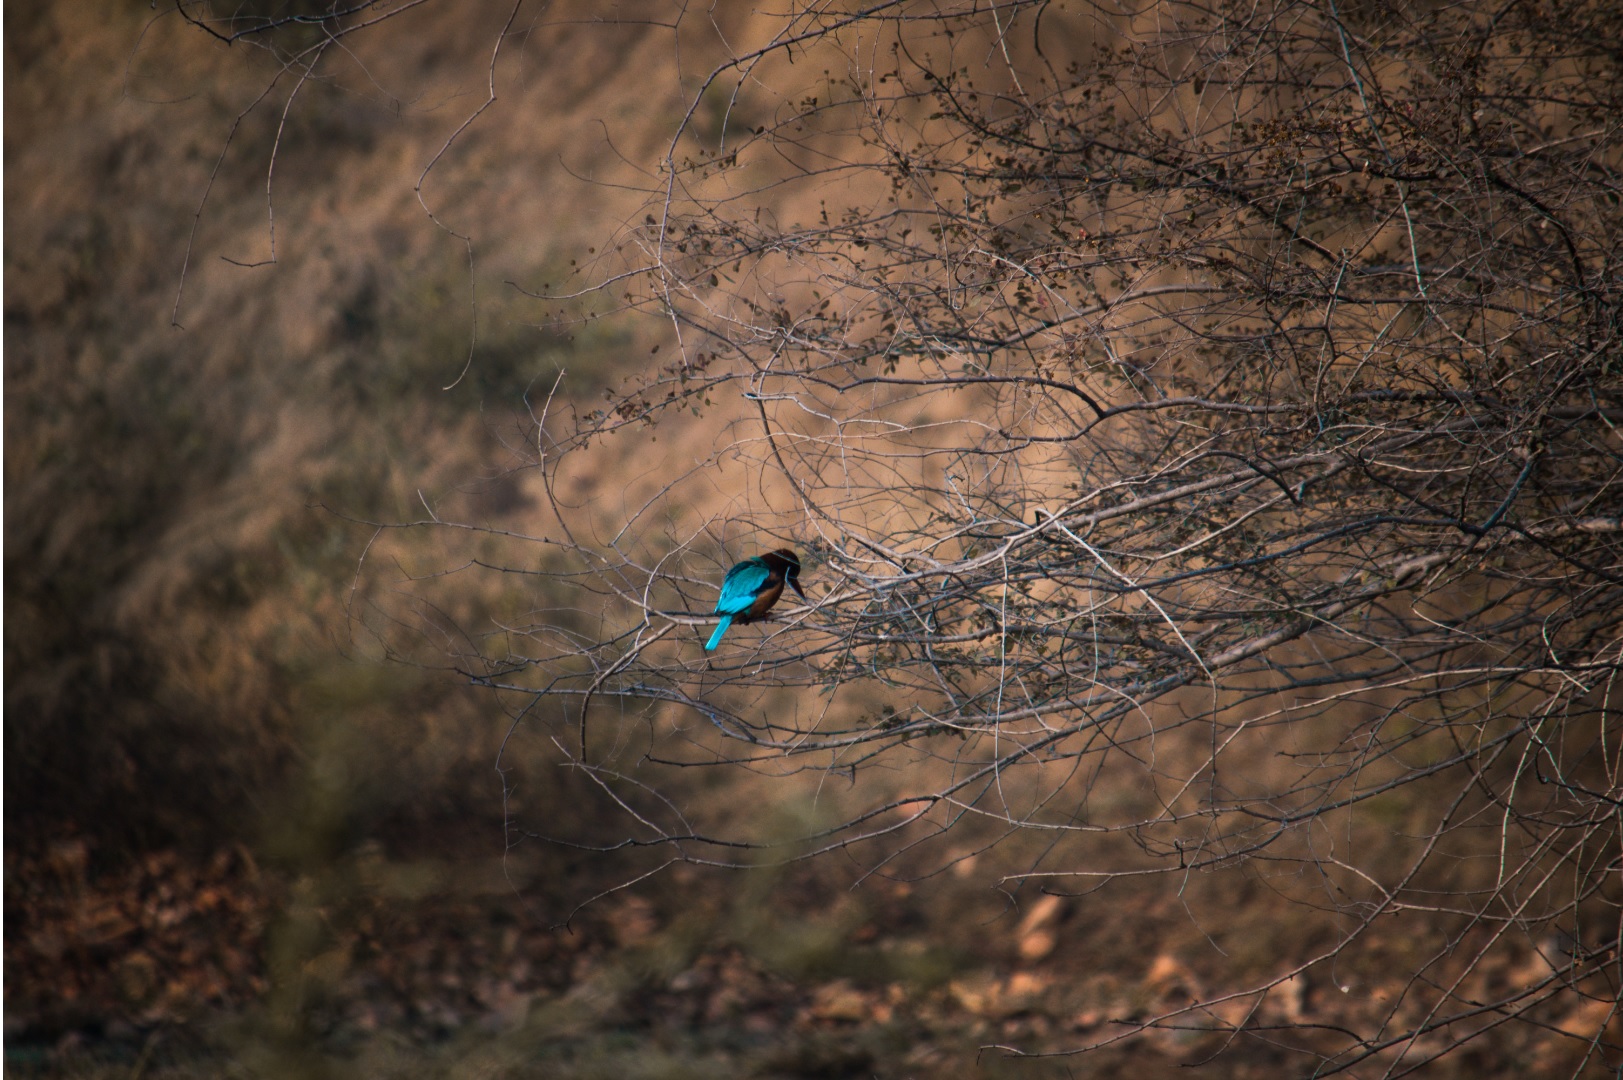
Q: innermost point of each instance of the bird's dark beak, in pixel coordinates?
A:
(794, 583)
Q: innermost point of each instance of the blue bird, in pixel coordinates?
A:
(752, 587)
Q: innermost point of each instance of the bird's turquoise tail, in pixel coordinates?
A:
(721, 628)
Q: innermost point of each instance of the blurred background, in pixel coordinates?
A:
(238, 837)
(254, 824)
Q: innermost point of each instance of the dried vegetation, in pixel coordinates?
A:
(1200, 425)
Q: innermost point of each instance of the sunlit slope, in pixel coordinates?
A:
(239, 280)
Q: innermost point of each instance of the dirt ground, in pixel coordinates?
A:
(177, 966)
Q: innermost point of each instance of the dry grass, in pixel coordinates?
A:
(193, 660)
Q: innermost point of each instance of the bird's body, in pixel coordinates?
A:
(752, 587)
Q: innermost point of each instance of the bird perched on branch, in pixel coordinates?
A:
(752, 587)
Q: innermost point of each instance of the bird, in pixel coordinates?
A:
(752, 587)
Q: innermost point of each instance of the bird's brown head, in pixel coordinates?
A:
(787, 561)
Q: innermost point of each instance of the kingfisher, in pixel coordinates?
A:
(752, 587)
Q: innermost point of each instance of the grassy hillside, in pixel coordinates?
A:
(224, 806)
(181, 493)
(267, 300)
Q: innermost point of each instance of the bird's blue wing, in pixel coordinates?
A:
(741, 586)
